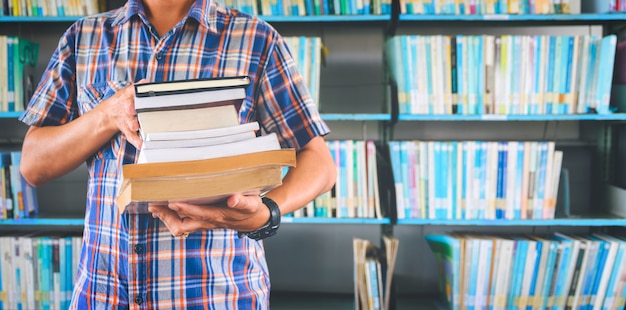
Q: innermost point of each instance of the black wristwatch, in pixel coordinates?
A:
(271, 227)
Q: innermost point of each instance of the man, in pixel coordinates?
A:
(183, 256)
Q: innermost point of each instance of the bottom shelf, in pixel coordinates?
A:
(330, 301)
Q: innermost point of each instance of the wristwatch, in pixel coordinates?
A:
(272, 225)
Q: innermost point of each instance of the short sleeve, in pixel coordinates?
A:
(284, 103)
(52, 101)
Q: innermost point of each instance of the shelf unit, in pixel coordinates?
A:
(388, 25)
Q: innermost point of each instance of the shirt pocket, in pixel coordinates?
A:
(91, 95)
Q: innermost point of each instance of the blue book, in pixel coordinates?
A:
(519, 176)
(473, 279)
(563, 275)
(551, 266)
(469, 74)
(605, 75)
(429, 74)
(404, 168)
(342, 206)
(447, 250)
(519, 260)
(461, 73)
(405, 74)
(481, 168)
(453, 198)
(45, 271)
(2, 288)
(501, 180)
(589, 78)
(394, 152)
(618, 268)
(11, 43)
(595, 271)
(567, 81)
(465, 179)
(551, 74)
(19, 210)
(540, 245)
(439, 182)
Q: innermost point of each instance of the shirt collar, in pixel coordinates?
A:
(203, 11)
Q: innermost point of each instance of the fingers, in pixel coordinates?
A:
(238, 212)
(176, 224)
(128, 122)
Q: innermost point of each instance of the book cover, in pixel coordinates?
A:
(201, 182)
(192, 85)
(447, 250)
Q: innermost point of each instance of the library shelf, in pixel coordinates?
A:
(572, 221)
(503, 117)
(355, 117)
(325, 18)
(553, 19)
(39, 19)
(10, 114)
(321, 220)
(43, 222)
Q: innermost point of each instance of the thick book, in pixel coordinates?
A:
(201, 182)
(263, 143)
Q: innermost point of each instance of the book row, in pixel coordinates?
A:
(311, 7)
(51, 7)
(38, 272)
(18, 61)
(477, 7)
(307, 53)
(373, 272)
(558, 271)
(356, 190)
(506, 74)
(475, 179)
(18, 199)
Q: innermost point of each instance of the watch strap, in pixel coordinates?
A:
(272, 225)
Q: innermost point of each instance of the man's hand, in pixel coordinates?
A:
(120, 111)
(239, 212)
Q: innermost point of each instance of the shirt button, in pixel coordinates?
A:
(139, 300)
(138, 248)
(159, 56)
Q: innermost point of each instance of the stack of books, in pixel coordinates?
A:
(373, 272)
(194, 148)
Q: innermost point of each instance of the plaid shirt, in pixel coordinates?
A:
(132, 261)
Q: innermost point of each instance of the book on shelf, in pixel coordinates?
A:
(530, 271)
(201, 181)
(18, 199)
(373, 272)
(18, 63)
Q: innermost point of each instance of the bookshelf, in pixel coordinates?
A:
(354, 100)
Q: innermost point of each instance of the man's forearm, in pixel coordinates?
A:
(50, 152)
(313, 175)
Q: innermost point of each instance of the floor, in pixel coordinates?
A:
(299, 301)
